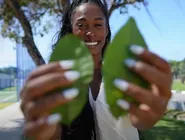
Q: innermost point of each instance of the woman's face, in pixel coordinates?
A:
(89, 23)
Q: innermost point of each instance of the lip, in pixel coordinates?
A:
(91, 43)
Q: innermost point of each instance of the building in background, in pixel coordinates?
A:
(6, 81)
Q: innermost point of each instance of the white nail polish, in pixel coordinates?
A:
(136, 49)
(130, 63)
(123, 104)
(72, 75)
(67, 64)
(54, 119)
(121, 84)
(70, 93)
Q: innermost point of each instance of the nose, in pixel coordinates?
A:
(90, 34)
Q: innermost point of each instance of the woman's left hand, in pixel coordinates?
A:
(154, 101)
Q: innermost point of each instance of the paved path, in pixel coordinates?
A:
(11, 120)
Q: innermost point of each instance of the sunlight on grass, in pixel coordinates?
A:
(10, 89)
(3, 105)
(177, 85)
(166, 130)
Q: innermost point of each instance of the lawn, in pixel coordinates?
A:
(7, 97)
(166, 129)
(178, 86)
(9, 89)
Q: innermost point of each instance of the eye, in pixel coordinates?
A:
(80, 25)
(98, 25)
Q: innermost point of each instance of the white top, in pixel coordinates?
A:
(107, 127)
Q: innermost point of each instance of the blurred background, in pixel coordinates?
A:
(29, 29)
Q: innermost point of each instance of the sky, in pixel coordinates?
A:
(166, 36)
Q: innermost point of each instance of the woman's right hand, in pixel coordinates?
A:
(37, 104)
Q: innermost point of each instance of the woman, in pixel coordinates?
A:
(88, 19)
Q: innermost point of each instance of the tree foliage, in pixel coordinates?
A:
(178, 69)
(20, 20)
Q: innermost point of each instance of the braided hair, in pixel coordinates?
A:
(83, 127)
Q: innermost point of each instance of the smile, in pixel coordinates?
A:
(91, 43)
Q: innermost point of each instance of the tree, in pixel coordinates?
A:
(9, 70)
(182, 71)
(19, 19)
(178, 69)
(175, 67)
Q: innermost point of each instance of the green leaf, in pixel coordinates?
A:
(114, 66)
(72, 48)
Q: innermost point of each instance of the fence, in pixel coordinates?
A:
(11, 83)
(25, 65)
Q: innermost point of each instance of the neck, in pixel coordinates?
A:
(95, 84)
(97, 61)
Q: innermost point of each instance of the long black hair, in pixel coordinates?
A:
(83, 127)
(68, 12)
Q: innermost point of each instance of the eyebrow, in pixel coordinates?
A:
(84, 19)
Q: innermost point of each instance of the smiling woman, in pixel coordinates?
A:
(90, 26)
(88, 20)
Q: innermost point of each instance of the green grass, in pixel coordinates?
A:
(10, 89)
(177, 85)
(8, 95)
(166, 129)
(3, 105)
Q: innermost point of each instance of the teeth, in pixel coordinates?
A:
(91, 43)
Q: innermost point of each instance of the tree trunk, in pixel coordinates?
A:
(28, 40)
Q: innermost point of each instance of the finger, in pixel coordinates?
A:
(44, 84)
(61, 66)
(34, 110)
(151, 74)
(38, 129)
(151, 58)
(52, 67)
(142, 117)
(143, 96)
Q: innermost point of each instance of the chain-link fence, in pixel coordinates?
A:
(12, 78)
(25, 65)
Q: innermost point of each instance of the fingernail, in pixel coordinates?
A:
(123, 104)
(130, 63)
(54, 119)
(136, 49)
(72, 75)
(70, 93)
(67, 64)
(121, 84)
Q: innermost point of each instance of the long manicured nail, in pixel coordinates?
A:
(121, 84)
(130, 63)
(123, 104)
(70, 93)
(72, 75)
(67, 64)
(54, 119)
(136, 49)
